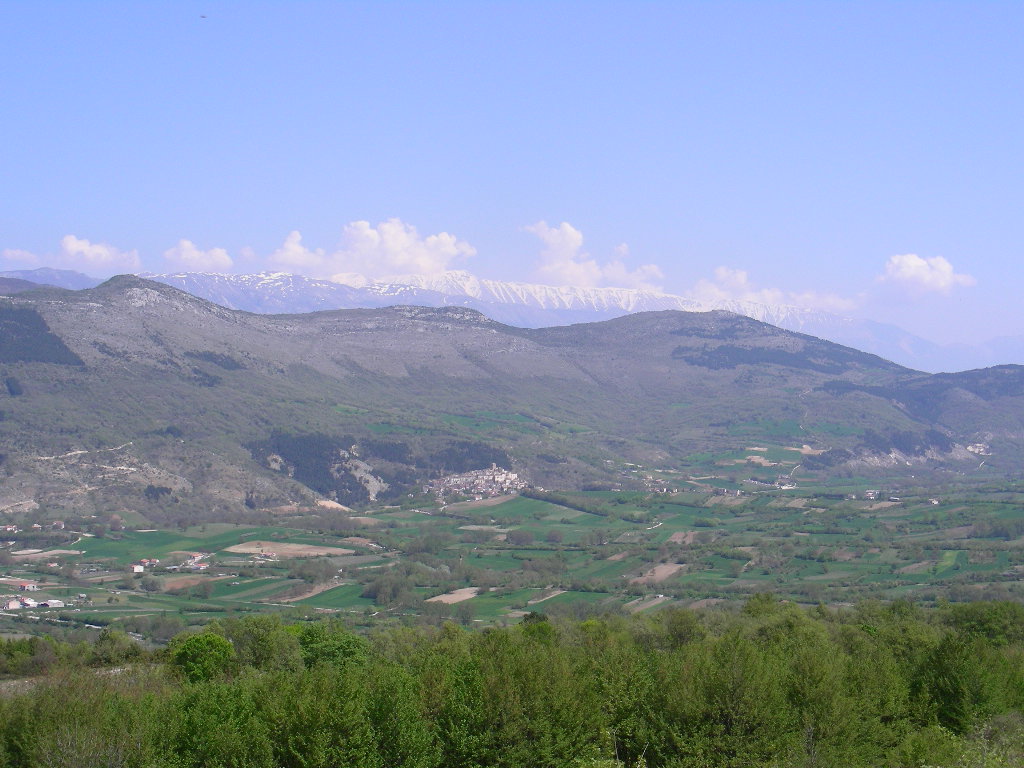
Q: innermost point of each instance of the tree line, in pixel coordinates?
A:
(764, 684)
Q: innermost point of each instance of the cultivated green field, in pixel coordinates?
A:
(570, 553)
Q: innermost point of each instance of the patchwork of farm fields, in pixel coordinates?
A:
(574, 553)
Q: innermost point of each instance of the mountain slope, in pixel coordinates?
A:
(140, 385)
(534, 306)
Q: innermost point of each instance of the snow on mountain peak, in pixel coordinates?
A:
(457, 287)
(461, 283)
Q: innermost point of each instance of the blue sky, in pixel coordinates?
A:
(862, 157)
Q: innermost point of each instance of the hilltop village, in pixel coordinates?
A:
(478, 484)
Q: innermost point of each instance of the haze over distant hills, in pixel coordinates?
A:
(132, 384)
(59, 278)
(535, 306)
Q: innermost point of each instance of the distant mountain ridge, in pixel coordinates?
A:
(536, 306)
(59, 278)
(136, 385)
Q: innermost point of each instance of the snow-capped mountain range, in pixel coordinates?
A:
(535, 306)
(522, 304)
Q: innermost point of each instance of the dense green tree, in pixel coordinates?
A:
(999, 622)
(114, 647)
(738, 714)
(928, 746)
(680, 626)
(453, 696)
(540, 707)
(874, 680)
(203, 656)
(959, 682)
(220, 726)
(404, 737)
(326, 642)
(318, 719)
(83, 720)
(262, 642)
(632, 714)
(826, 717)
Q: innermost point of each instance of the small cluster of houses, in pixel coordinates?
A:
(479, 483)
(726, 492)
(17, 602)
(654, 484)
(193, 562)
(56, 525)
(869, 495)
(874, 495)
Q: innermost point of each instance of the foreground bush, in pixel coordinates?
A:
(772, 685)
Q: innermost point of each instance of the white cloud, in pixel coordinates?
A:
(80, 254)
(923, 275)
(391, 248)
(101, 258)
(735, 285)
(394, 247)
(293, 255)
(186, 256)
(646, 276)
(563, 262)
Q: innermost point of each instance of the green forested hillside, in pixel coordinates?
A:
(766, 685)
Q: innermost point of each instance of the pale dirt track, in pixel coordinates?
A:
(552, 593)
